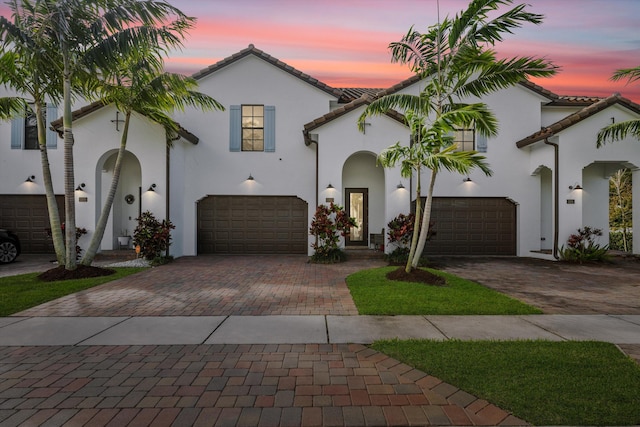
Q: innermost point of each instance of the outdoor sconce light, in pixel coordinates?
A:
(575, 186)
(30, 178)
(400, 186)
(467, 179)
(152, 187)
(80, 187)
(250, 177)
(330, 187)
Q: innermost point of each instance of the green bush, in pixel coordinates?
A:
(328, 224)
(582, 247)
(153, 236)
(617, 243)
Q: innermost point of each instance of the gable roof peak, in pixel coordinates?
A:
(252, 50)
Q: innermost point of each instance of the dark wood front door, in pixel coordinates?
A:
(357, 206)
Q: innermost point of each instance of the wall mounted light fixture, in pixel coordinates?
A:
(152, 187)
(330, 187)
(250, 177)
(30, 178)
(467, 179)
(575, 186)
(80, 187)
(400, 186)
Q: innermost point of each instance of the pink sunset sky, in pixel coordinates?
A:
(344, 43)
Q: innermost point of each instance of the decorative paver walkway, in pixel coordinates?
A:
(228, 385)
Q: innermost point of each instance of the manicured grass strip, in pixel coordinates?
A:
(24, 291)
(373, 293)
(542, 382)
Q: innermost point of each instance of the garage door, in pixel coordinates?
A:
(252, 225)
(28, 217)
(473, 226)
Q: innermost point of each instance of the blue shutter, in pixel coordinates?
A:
(235, 128)
(269, 128)
(481, 143)
(52, 136)
(17, 133)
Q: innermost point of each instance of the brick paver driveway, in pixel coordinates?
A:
(219, 285)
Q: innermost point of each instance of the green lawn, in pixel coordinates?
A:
(542, 382)
(373, 293)
(24, 291)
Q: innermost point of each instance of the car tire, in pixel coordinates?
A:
(8, 252)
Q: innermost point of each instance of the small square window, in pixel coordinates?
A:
(465, 139)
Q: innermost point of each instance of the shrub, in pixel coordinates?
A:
(328, 224)
(616, 241)
(153, 236)
(80, 231)
(582, 247)
(400, 229)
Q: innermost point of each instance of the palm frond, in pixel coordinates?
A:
(631, 74)
(618, 131)
(462, 162)
(11, 107)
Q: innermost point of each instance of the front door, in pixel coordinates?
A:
(357, 205)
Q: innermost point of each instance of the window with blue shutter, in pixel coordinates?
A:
(252, 128)
(481, 143)
(52, 135)
(24, 131)
(270, 128)
(235, 128)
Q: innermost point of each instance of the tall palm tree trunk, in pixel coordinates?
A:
(69, 193)
(52, 204)
(416, 225)
(426, 219)
(108, 203)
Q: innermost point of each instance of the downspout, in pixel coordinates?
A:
(168, 187)
(556, 189)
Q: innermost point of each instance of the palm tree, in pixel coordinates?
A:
(618, 131)
(455, 60)
(138, 86)
(69, 42)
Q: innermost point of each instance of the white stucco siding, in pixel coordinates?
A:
(582, 163)
(96, 144)
(348, 156)
(289, 171)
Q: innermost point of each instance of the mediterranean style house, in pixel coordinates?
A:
(248, 179)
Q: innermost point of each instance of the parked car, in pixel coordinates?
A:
(9, 246)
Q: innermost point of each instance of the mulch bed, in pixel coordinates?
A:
(81, 272)
(417, 275)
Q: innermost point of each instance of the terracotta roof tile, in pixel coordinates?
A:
(577, 117)
(352, 93)
(252, 50)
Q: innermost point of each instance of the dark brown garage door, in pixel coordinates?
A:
(252, 225)
(473, 226)
(28, 217)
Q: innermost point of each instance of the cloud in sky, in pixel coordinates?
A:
(344, 42)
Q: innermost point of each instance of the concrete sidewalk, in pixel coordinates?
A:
(318, 329)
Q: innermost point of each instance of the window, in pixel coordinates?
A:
(24, 130)
(464, 139)
(252, 128)
(30, 130)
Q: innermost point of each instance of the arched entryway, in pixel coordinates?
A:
(126, 204)
(363, 189)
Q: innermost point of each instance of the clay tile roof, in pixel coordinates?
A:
(574, 101)
(539, 90)
(252, 50)
(56, 125)
(352, 93)
(577, 117)
(341, 111)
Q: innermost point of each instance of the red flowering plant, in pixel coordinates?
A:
(153, 237)
(328, 225)
(400, 233)
(582, 247)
